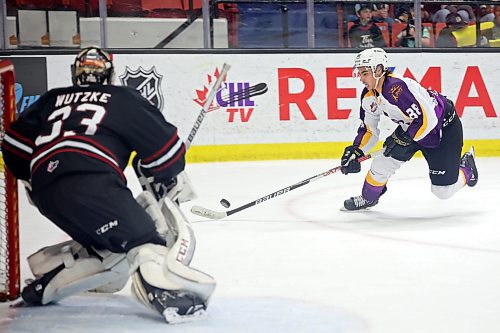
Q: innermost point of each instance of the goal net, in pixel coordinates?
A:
(9, 230)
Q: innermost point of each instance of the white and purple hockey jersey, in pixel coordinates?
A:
(418, 111)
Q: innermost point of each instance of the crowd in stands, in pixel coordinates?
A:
(283, 24)
(372, 25)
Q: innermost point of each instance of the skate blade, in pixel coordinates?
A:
(172, 317)
(343, 209)
(471, 150)
(19, 303)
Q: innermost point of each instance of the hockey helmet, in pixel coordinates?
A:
(372, 58)
(92, 65)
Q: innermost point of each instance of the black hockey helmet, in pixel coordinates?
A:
(92, 65)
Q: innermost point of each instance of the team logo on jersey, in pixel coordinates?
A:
(52, 166)
(148, 82)
(395, 91)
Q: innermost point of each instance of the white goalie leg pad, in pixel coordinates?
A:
(79, 271)
(147, 201)
(171, 224)
(117, 265)
(180, 293)
(183, 190)
(184, 245)
(48, 258)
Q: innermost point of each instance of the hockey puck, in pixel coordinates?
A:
(225, 203)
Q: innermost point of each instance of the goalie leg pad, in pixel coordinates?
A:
(66, 269)
(180, 293)
(184, 241)
(147, 201)
(171, 224)
(48, 258)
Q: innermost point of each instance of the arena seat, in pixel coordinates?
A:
(263, 26)
(259, 27)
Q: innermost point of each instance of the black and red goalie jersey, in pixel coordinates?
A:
(91, 129)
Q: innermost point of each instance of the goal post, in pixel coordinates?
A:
(10, 275)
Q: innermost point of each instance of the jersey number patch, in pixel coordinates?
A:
(58, 116)
(413, 111)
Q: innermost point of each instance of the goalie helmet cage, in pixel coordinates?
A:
(9, 212)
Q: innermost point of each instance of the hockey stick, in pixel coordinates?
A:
(256, 90)
(206, 106)
(146, 183)
(214, 215)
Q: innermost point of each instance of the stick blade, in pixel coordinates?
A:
(208, 213)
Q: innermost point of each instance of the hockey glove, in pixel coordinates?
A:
(399, 145)
(349, 161)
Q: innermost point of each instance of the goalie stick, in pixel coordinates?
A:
(215, 215)
(252, 91)
(206, 106)
(147, 183)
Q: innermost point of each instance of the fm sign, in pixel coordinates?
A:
(431, 79)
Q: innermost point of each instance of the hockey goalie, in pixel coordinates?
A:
(70, 149)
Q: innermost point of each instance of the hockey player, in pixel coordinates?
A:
(427, 121)
(70, 149)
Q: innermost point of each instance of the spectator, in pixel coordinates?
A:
(440, 15)
(465, 16)
(380, 14)
(486, 14)
(493, 35)
(447, 38)
(365, 33)
(406, 38)
(424, 14)
(402, 15)
(467, 13)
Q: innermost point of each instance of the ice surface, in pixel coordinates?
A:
(295, 263)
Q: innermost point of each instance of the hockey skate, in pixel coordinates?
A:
(176, 306)
(468, 161)
(32, 294)
(357, 203)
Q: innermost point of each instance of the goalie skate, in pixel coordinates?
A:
(173, 317)
(176, 306)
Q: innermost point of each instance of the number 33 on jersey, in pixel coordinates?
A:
(91, 129)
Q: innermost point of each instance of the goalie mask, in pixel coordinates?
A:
(92, 66)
